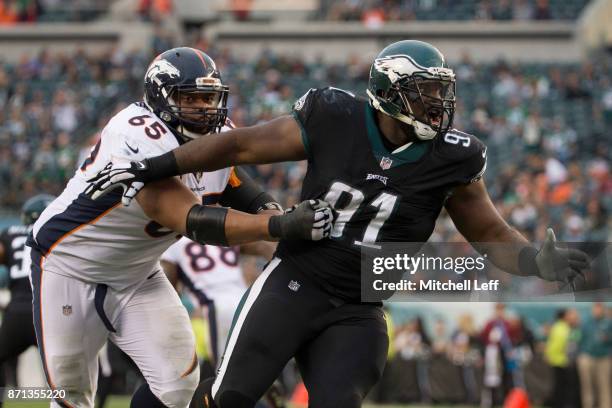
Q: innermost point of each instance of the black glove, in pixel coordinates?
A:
(559, 264)
(310, 220)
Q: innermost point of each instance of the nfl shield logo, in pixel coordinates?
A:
(294, 286)
(67, 310)
(385, 163)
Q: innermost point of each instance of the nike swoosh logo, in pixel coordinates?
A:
(131, 148)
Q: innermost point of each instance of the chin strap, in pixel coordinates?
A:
(421, 130)
(402, 148)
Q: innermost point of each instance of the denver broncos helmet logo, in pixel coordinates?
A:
(162, 67)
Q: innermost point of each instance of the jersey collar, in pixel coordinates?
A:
(411, 154)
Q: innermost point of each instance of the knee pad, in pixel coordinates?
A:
(70, 373)
(233, 399)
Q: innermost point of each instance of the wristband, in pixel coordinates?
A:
(206, 225)
(527, 261)
(274, 226)
(161, 167)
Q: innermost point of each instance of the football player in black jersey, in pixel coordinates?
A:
(17, 330)
(387, 164)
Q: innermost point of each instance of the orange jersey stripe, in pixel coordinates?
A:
(234, 181)
(42, 336)
(72, 231)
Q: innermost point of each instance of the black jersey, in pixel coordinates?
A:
(380, 196)
(17, 261)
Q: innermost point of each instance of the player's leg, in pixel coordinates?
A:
(270, 323)
(225, 304)
(153, 328)
(16, 331)
(69, 332)
(16, 335)
(345, 360)
(105, 377)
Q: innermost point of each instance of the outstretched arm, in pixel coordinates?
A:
(478, 221)
(169, 203)
(275, 141)
(172, 205)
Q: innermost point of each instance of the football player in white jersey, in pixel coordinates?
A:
(214, 279)
(95, 264)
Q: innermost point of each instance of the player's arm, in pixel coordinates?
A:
(170, 203)
(244, 194)
(477, 219)
(275, 141)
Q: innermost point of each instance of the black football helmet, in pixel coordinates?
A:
(180, 71)
(33, 207)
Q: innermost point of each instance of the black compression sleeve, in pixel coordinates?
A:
(248, 196)
(206, 225)
(161, 167)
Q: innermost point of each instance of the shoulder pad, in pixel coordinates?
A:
(137, 133)
(329, 100)
(458, 146)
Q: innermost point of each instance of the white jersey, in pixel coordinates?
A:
(207, 271)
(102, 241)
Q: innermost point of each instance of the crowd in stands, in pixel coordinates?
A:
(544, 124)
(30, 11)
(562, 361)
(371, 12)
(374, 12)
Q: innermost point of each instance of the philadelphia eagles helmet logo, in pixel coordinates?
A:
(162, 67)
(397, 67)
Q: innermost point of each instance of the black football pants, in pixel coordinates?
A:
(16, 333)
(340, 348)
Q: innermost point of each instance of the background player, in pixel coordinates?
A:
(17, 329)
(95, 270)
(215, 281)
(388, 167)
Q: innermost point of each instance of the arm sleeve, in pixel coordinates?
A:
(322, 115)
(243, 193)
(305, 113)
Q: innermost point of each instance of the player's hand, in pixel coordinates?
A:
(311, 220)
(130, 177)
(560, 264)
